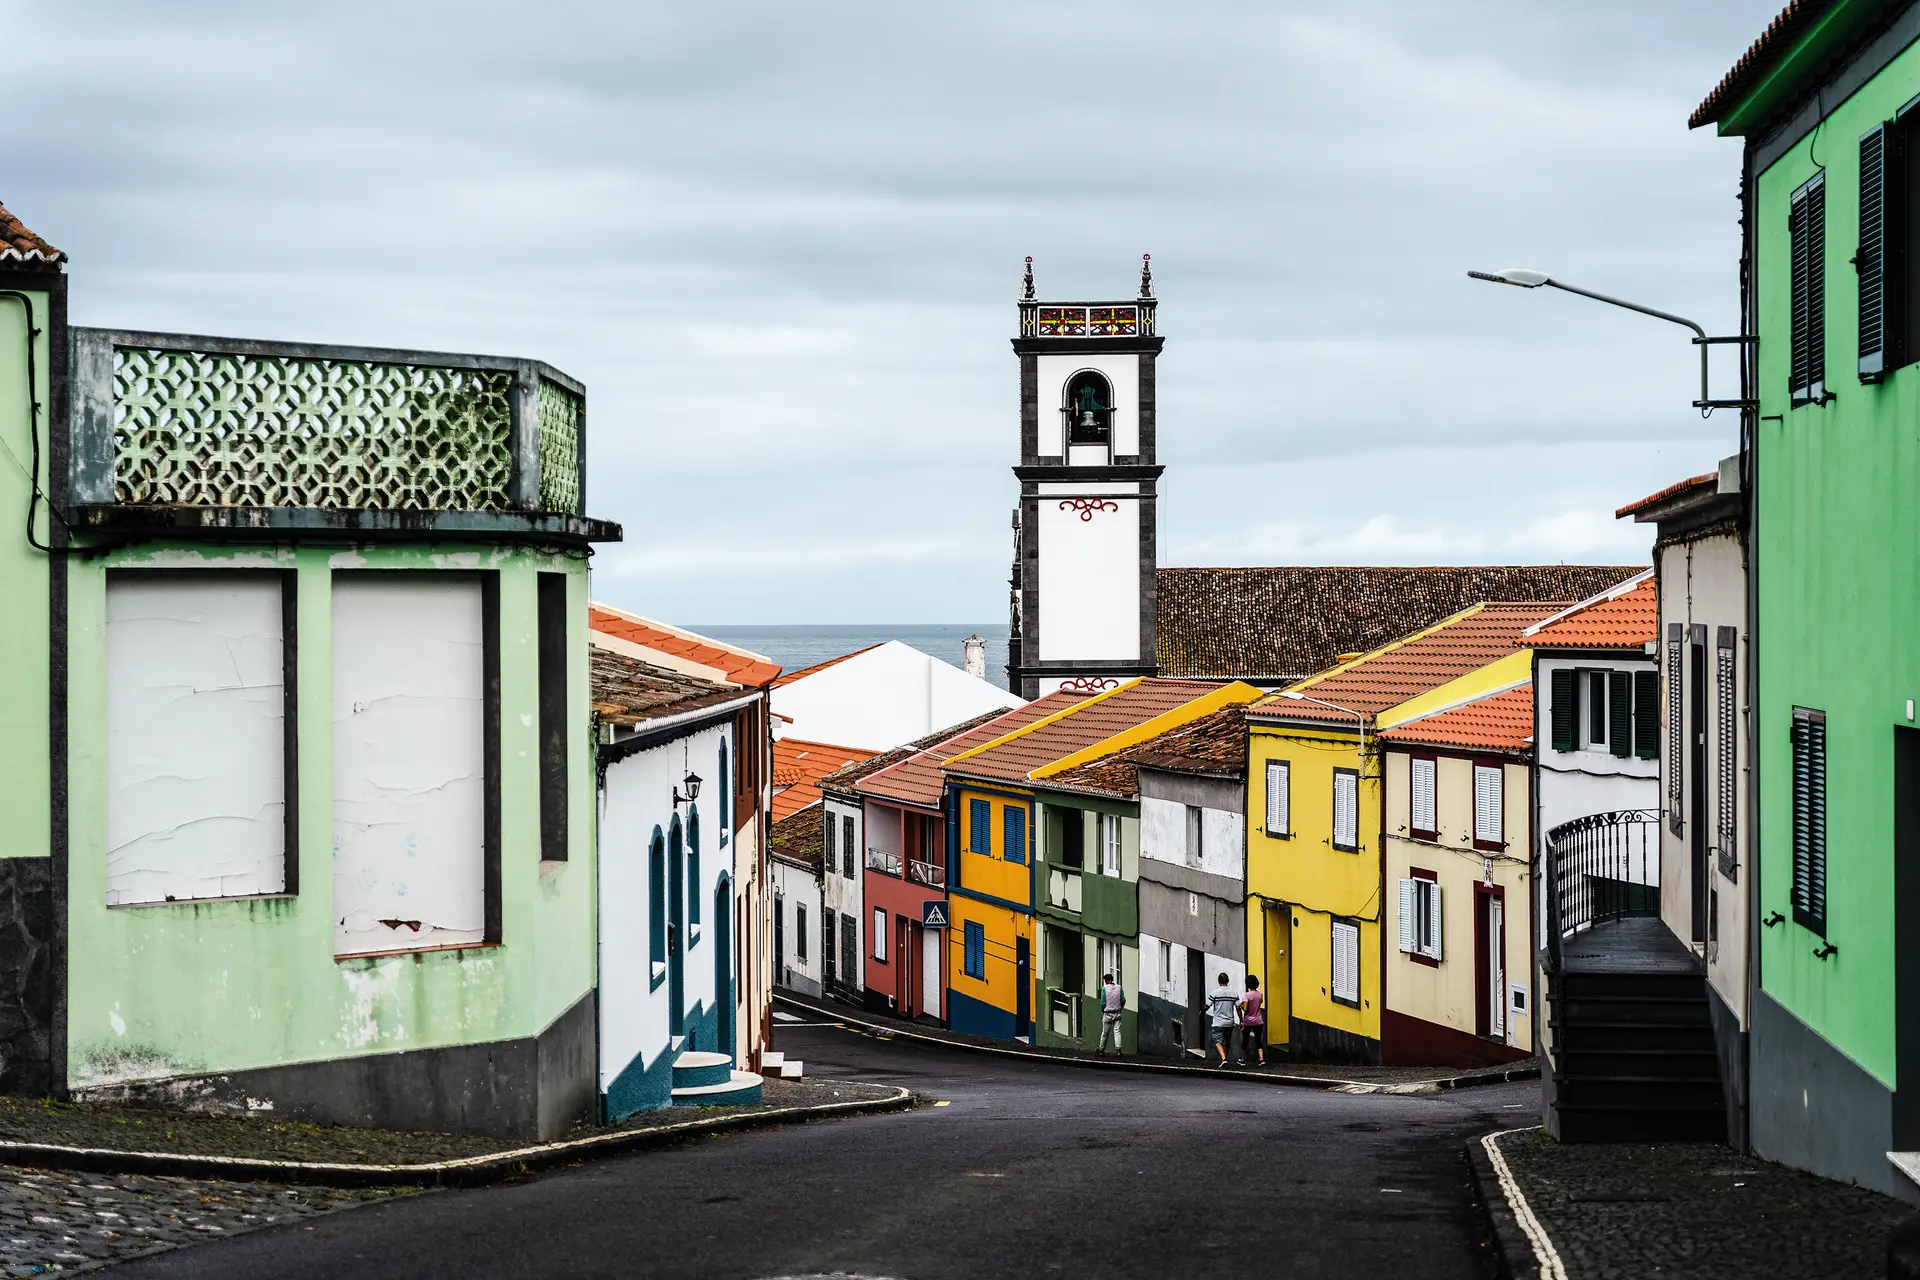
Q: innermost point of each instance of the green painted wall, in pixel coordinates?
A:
(167, 989)
(24, 762)
(1837, 558)
(1108, 905)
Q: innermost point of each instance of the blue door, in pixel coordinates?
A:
(723, 962)
(676, 931)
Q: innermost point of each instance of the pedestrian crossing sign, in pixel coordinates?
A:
(933, 914)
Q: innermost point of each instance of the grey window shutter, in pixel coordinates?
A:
(1675, 736)
(1871, 259)
(1810, 819)
(1726, 752)
(1563, 714)
(1646, 714)
(1620, 712)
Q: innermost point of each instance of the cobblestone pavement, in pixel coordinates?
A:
(1686, 1210)
(52, 1221)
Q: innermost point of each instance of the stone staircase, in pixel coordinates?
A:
(777, 1064)
(710, 1080)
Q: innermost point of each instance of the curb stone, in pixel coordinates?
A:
(1511, 1248)
(469, 1171)
(1246, 1075)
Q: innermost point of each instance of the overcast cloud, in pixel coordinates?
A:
(781, 244)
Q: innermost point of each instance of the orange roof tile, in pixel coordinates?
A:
(1213, 746)
(1408, 668)
(918, 778)
(628, 692)
(19, 244)
(791, 676)
(1620, 619)
(1712, 477)
(740, 666)
(798, 766)
(1497, 722)
(1127, 708)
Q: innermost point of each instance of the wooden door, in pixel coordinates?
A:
(1278, 984)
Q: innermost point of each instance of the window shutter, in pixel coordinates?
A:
(1806, 234)
(1871, 260)
(1346, 962)
(1726, 751)
(1016, 834)
(1277, 798)
(979, 826)
(833, 857)
(849, 948)
(1620, 712)
(1346, 809)
(1564, 715)
(1422, 817)
(800, 931)
(1674, 726)
(1487, 818)
(848, 852)
(1810, 819)
(1409, 912)
(1433, 920)
(1646, 714)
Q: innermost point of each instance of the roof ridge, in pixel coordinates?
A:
(681, 632)
(1050, 718)
(1611, 593)
(790, 676)
(1390, 646)
(1458, 704)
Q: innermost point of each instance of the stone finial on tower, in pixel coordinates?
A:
(1146, 275)
(1028, 295)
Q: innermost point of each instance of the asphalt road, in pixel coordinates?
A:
(1030, 1170)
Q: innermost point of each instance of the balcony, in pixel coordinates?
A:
(1087, 319)
(1063, 889)
(931, 874)
(882, 861)
(173, 434)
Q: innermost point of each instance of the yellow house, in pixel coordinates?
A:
(1316, 870)
(990, 887)
(1459, 827)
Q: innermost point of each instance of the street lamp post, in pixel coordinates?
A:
(1524, 279)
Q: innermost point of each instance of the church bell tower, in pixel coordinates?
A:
(1085, 533)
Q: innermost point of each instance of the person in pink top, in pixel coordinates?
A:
(1253, 1025)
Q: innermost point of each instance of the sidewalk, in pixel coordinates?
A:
(1339, 1078)
(1693, 1211)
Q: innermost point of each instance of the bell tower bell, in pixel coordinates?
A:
(1085, 533)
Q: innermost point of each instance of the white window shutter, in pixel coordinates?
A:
(1486, 803)
(1346, 810)
(1346, 962)
(1433, 916)
(1277, 797)
(1423, 800)
(1409, 909)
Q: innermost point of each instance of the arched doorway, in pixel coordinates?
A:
(676, 930)
(722, 961)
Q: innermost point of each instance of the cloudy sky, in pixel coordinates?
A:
(781, 243)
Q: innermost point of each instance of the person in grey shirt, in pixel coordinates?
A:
(1113, 1003)
(1225, 1008)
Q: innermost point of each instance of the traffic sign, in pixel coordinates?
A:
(933, 913)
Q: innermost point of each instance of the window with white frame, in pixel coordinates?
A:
(1166, 971)
(1110, 844)
(1346, 810)
(1420, 917)
(1196, 835)
(1110, 959)
(880, 934)
(1424, 818)
(1277, 798)
(1488, 805)
(1345, 987)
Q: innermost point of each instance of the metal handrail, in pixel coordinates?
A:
(931, 874)
(1605, 866)
(881, 860)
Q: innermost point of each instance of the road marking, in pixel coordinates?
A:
(1551, 1267)
(986, 1175)
(943, 1103)
(1390, 1191)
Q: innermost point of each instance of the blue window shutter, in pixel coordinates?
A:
(979, 827)
(1016, 835)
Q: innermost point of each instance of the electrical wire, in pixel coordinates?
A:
(34, 492)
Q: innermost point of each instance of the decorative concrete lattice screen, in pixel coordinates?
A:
(559, 449)
(211, 429)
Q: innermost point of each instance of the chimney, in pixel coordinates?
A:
(976, 656)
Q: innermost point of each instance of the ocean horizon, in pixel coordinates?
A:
(795, 647)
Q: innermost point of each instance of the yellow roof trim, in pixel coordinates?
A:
(1059, 715)
(1497, 676)
(1388, 647)
(1186, 713)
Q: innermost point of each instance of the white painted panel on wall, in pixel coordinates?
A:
(196, 705)
(1089, 579)
(409, 762)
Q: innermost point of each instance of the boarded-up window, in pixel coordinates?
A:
(410, 761)
(1423, 819)
(1345, 987)
(1277, 817)
(1346, 810)
(1488, 820)
(197, 729)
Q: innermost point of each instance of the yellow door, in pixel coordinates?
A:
(1279, 983)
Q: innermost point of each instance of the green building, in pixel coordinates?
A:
(295, 737)
(1087, 885)
(1823, 102)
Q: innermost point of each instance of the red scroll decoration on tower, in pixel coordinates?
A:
(1087, 506)
(1087, 684)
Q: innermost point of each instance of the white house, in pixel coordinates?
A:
(793, 877)
(880, 697)
(842, 867)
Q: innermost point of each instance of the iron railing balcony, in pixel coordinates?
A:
(185, 435)
(1603, 867)
(881, 860)
(931, 874)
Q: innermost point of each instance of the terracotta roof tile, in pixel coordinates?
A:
(842, 781)
(18, 244)
(798, 766)
(917, 778)
(739, 665)
(629, 692)
(1215, 746)
(1127, 708)
(1712, 477)
(1284, 623)
(799, 838)
(1620, 619)
(1774, 43)
(1498, 722)
(791, 676)
(1406, 669)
